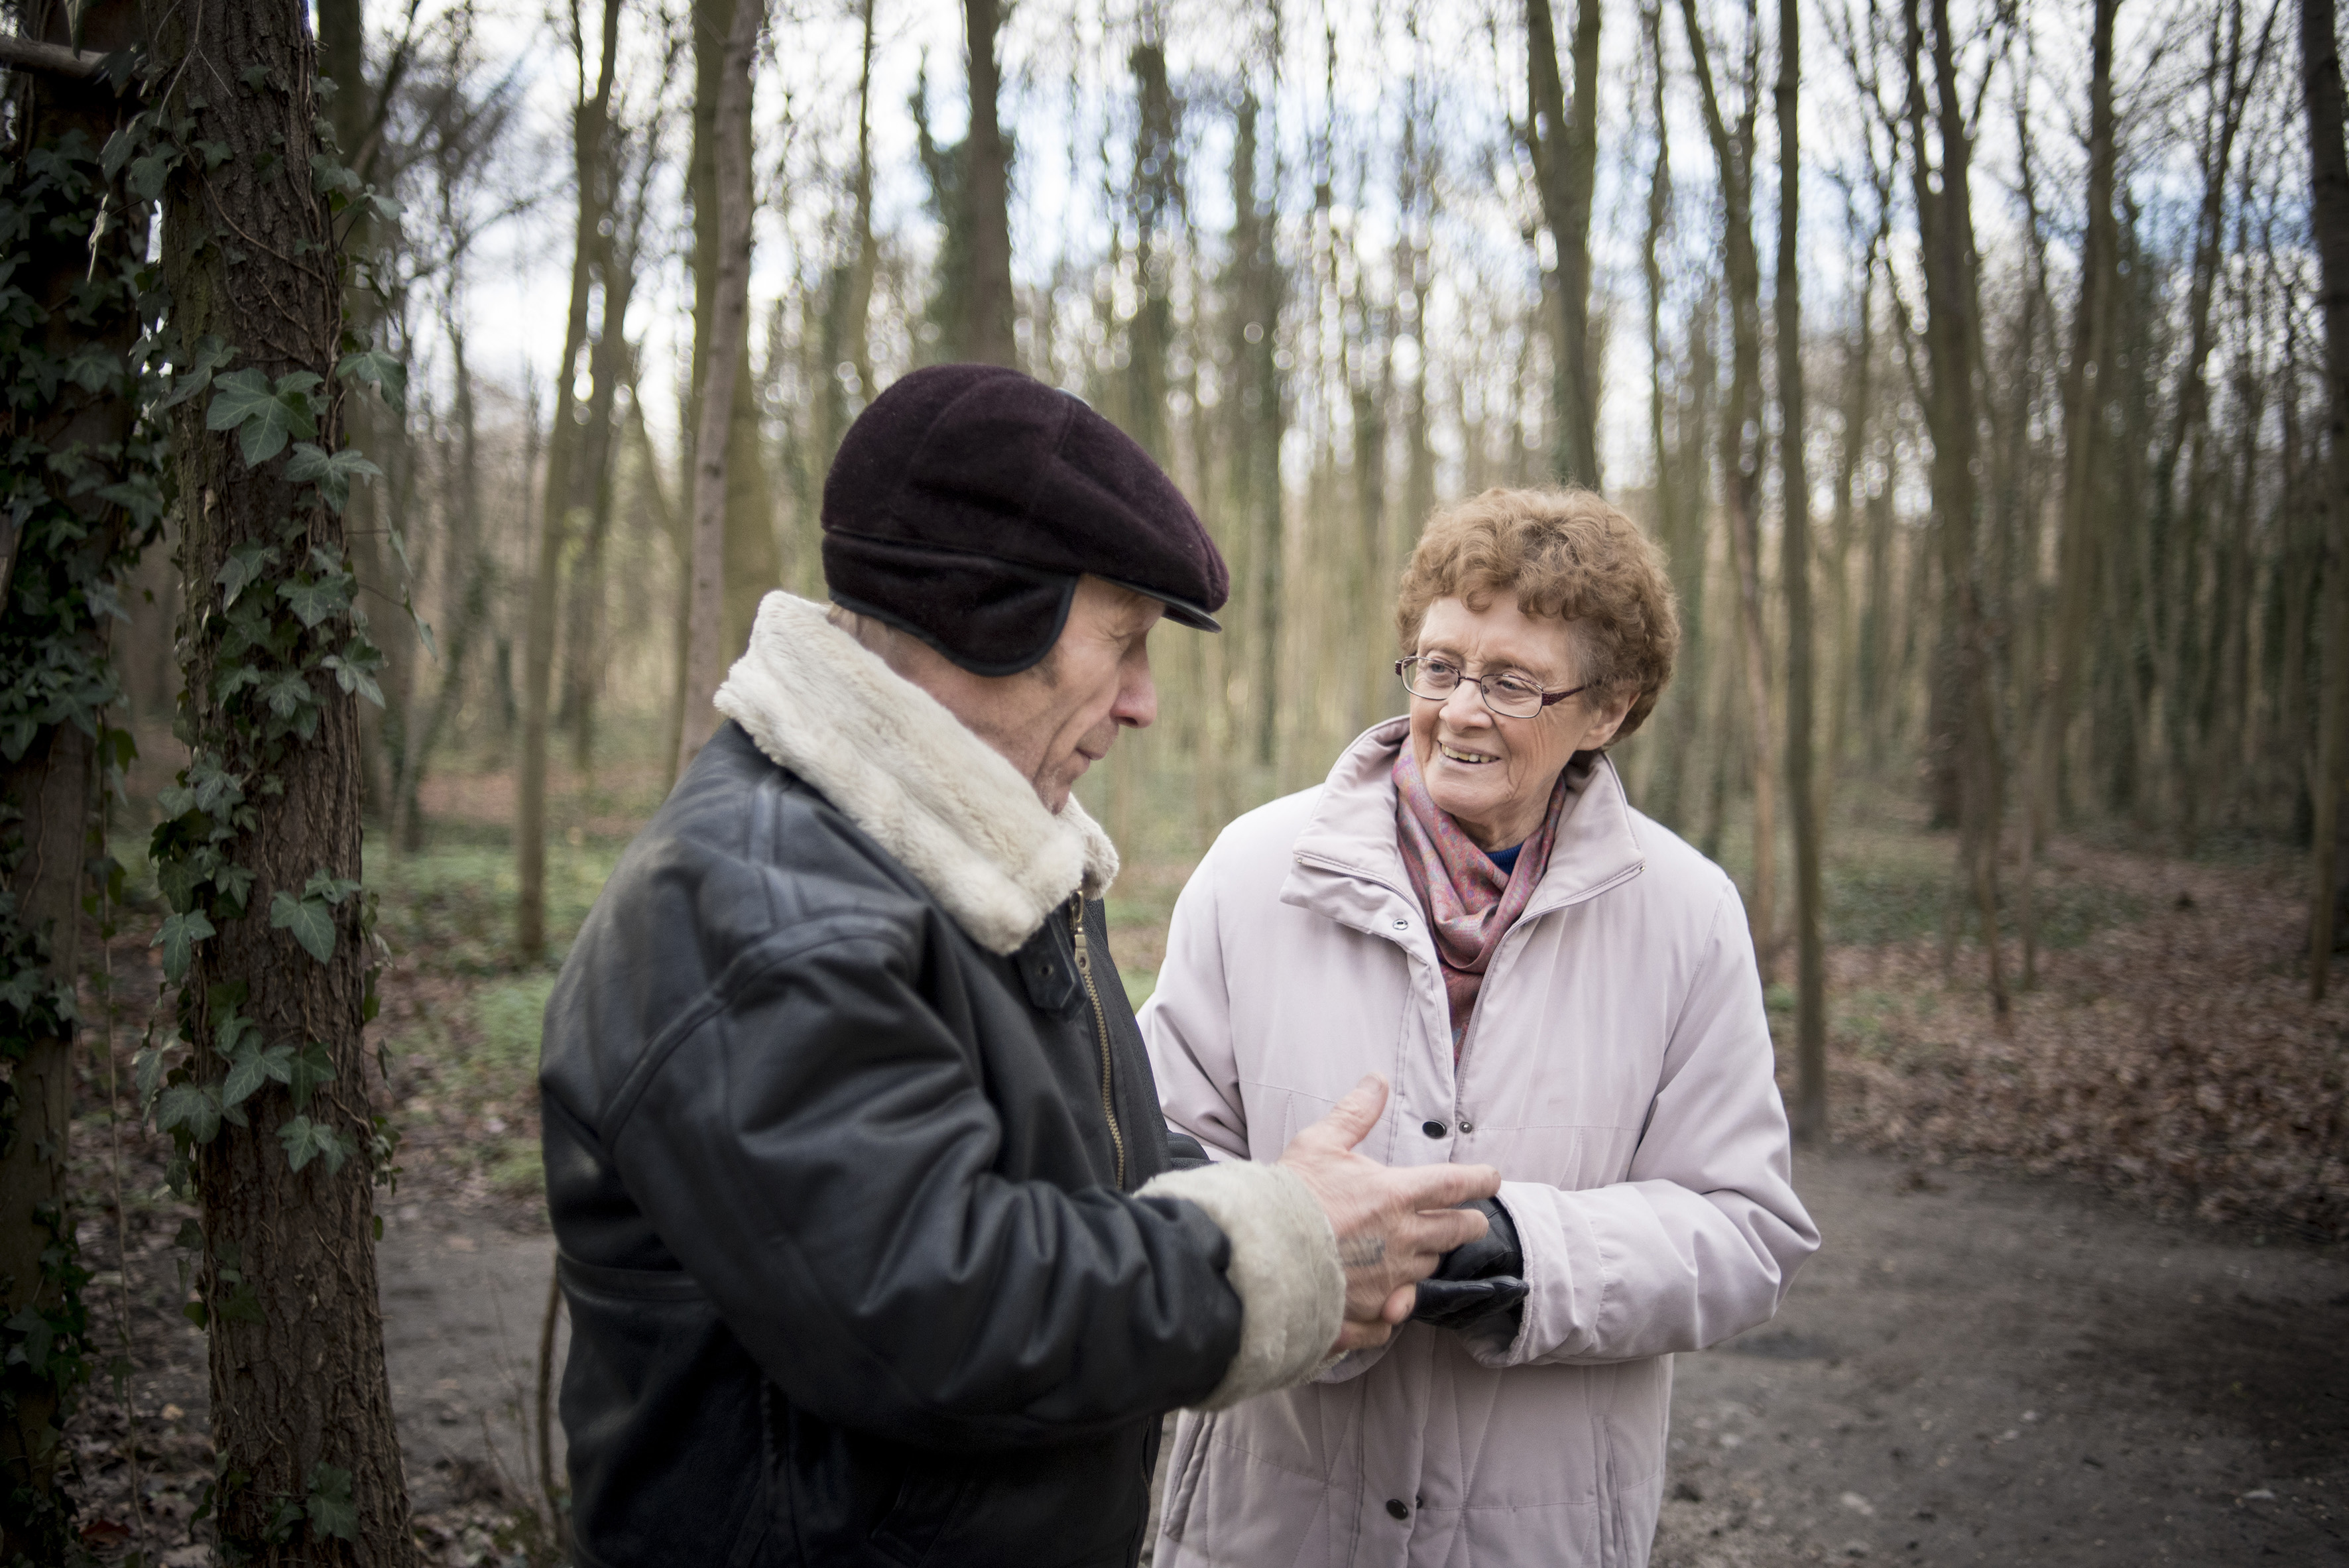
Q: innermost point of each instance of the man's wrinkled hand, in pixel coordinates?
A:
(1393, 1223)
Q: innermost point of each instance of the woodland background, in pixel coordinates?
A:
(1973, 364)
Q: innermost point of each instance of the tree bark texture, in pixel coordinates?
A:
(729, 327)
(1795, 571)
(591, 126)
(288, 1268)
(986, 193)
(1741, 452)
(2328, 163)
(1564, 142)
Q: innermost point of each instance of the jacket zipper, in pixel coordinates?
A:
(1100, 1028)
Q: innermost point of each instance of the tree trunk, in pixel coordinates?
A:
(301, 1411)
(2077, 566)
(590, 124)
(730, 326)
(1945, 225)
(1795, 571)
(468, 574)
(986, 193)
(2328, 160)
(607, 366)
(57, 542)
(1668, 779)
(1563, 139)
(1742, 460)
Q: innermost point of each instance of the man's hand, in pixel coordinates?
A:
(1393, 1223)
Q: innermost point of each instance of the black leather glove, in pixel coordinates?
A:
(1478, 1291)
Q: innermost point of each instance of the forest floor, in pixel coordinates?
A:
(2080, 1301)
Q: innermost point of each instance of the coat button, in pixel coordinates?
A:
(1433, 1129)
(1397, 1507)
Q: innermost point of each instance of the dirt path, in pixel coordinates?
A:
(1974, 1369)
(1980, 1369)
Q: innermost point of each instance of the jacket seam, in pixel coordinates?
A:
(769, 951)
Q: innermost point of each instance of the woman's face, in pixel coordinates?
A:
(1491, 773)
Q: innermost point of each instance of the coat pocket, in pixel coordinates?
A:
(1184, 1468)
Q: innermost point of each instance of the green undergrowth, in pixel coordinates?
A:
(449, 908)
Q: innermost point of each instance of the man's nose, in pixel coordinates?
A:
(1137, 701)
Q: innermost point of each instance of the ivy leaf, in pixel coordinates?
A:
(148, 173)
(258, 1068)
(265, 417)
(178, 938)
(314, 598)
(353, 678)
(187, 380)
(147, 1072)
(233, 884)
(326, 885)
(306, 1140)
(193, 1107)
(332, 1510)
(246, 564)
(94, 369)
(377, 369)
(231, 1033)
(332, 472)
(140, 496)
(308, 919)
(312, 1069)
(38, 1334)
(287, 692)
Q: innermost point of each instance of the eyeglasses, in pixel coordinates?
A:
(1510, 696)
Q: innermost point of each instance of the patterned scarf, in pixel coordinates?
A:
(1470, 903)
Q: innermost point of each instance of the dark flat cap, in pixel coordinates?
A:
(967, 499)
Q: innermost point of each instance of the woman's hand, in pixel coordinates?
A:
(1393, 1223)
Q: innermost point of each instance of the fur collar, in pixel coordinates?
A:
(902, 768)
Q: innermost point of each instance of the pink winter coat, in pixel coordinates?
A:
(1618, 1070)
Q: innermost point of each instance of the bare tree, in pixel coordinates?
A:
(1564, 140)
(1944, 202)
(729, 319)
(591, 129)
(1794, 571)
(987, 197)
(1741, 447)
(2328, 169)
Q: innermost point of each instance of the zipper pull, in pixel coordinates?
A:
(1077, 924)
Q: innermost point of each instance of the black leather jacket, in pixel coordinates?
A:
(852, 1272)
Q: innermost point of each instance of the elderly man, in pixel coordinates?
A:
(868, 1222)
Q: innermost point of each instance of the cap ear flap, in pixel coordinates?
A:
(991, 617)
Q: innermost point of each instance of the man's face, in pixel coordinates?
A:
(1059, 719)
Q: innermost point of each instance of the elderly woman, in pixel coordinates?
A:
(1556, 986)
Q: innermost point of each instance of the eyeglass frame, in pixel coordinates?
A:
(1484, 692)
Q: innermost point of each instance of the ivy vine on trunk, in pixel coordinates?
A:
(267, 939)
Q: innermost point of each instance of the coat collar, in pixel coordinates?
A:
(901, 766)
(1350, 837)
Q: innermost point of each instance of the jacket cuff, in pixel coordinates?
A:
(1284, 1266)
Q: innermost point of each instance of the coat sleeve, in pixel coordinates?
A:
(1187, 1027)
(1702, 1240)
(814, 1143)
